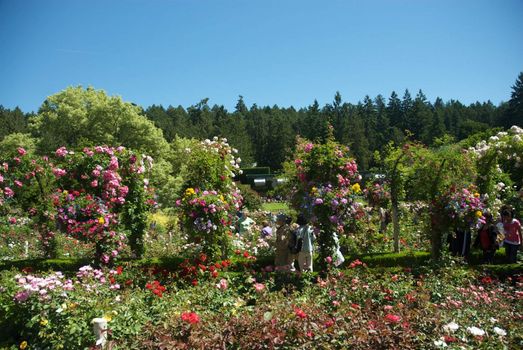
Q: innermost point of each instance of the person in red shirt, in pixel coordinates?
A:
(486, 239)
(513, 235)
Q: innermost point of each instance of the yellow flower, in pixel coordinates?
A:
(479, 214)
(44, 322)
(314, 190)
(356, 188)
(65, 192)
(101, 220)
(23, 345)
(108, 317)
(221, 198)
(189, 192)
(476, 195)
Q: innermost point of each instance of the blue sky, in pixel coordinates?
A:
(284, 52)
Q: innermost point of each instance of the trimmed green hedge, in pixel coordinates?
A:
(378, 262)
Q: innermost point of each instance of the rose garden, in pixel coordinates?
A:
(142, 242)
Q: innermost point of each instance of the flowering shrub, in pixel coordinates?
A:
(500, 167)
(200, 269)
(377, 194)
(25, 184)
(325, 181)
(464, 207)
(357, 308)
(211, 199)
(92, 195)
(103, 186)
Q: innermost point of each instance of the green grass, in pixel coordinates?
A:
(276, 207)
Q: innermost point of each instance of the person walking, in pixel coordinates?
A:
(513, 235)
(283, 234)
(306, 238)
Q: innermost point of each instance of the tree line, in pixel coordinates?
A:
(266, 136)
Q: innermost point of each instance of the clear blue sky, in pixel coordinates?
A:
(270, 51)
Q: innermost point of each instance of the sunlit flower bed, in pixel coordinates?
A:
(206, 305)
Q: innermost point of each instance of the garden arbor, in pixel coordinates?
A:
(324, 180)
(416, 172)
(210, 199)
(98, 195)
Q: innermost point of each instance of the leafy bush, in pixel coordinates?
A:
(251, 198)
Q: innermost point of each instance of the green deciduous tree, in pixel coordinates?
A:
(77, 117)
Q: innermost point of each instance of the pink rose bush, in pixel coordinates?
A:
(325, 182)
(104, 183)
(91, 195)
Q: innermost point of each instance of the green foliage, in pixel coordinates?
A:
(78, 117)
(12, 121)
(251, 198)
(13, 141)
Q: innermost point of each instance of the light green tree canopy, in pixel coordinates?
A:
(11, 142)
(77, 117)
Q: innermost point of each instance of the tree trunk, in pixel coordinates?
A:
(436, 233)
(396, 225)
(394, 193)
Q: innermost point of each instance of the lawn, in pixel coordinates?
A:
(276, 207)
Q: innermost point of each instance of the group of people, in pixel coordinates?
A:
(294, 242)
(491, 236)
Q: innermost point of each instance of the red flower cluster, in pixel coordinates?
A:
(190, 317)
(300, 313)
(156, 288)
(487, 280)
(244, 254)
(392, 318)
(200, 268)
(356, 263)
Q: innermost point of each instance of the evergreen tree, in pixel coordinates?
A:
(201, 120)
(395, 113)
(370, 120)
(180, 121)
(406, 111)
(12, 121)
(158, 115)
(514, 114)
(383, 123)
(356, 135)
(421, 118)
(437, 127)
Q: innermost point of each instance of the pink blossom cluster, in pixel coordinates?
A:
(41, 286)
(92, 278)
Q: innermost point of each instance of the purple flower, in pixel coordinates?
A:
(22, 296)
(318, 201)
